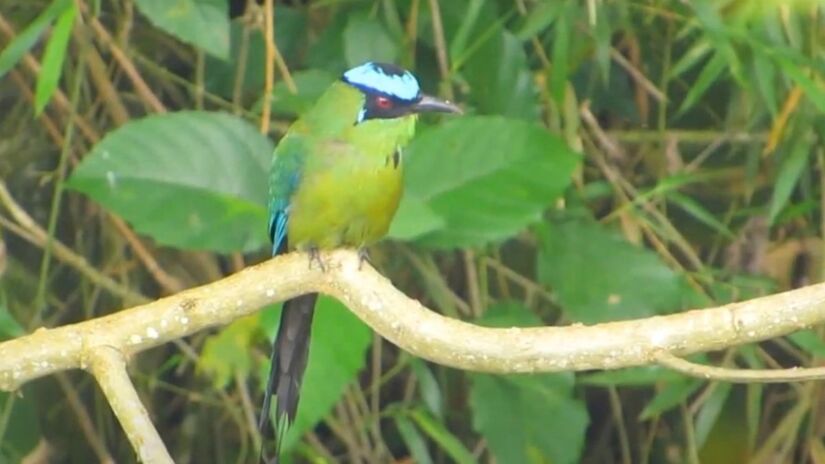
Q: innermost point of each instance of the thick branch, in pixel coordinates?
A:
(409, 325)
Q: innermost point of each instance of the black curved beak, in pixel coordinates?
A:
(429, 104)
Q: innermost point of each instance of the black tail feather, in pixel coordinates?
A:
(289, 360)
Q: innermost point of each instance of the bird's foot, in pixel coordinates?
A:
(315, 257)
(363, 256)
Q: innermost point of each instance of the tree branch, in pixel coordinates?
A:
(409, 325)
(108, 365)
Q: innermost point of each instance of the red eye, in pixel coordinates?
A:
(383, 102)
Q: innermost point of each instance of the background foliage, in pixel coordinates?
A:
(618, 159)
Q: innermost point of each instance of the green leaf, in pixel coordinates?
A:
(793, 167)
(494, 177)
(24, 41)
(500, 79)
(365, 39)
(632, 376)
(414, 219)
(669, 397)
(464, 31)
(413, 440)
(9, 327)
(809, 341)
(337, 353)
(710, 411)
(538, 19)
(193, 180)
(53, 58)
(764, 72)
(202, 23)
(527, 418)
(227, 352)
(710, 74)
(451, 445)
(692, 57)
(311, 84)
(561, 51)
(22, 431)
(698, 212)
(429, 388)
(247, 55)
(598, 276)
(813, 90)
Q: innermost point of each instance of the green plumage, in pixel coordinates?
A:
(335, 182)
(340, 181)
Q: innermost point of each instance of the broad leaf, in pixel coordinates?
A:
(21, 424)
(414, 219)
(527, 418)
(486, 177)
(227, 352)
(247, 55)
(310, 85)
(598, 276)
(500, 79)
(202, 23)
(192, 180)
(365, 39)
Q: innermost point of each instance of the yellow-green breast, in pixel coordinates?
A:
(350, 175)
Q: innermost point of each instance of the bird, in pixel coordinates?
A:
(335, 181)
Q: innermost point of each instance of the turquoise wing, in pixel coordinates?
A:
(284, 179)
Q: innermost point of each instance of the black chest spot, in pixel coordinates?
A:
(396, 158)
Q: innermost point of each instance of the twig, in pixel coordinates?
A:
(128, 67)
(618, 417)
(441, 47)
(85, 422)
(35, 234)
(108, 365)
(471, 274)
(269, 64)
(168, 282)
(100, 77)
(794, 374)
(637, 76)
(248, 409)
(60, 176)
(45, 119)
(690, 436)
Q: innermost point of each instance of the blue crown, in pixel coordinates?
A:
(386, 79)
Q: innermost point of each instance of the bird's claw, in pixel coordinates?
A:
(363, 256)
(315, 256)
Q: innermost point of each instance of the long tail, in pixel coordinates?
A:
(289, 360)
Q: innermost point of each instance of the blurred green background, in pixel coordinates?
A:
(618, 159)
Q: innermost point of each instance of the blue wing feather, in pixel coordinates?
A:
(277, 230)
(284, 181)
